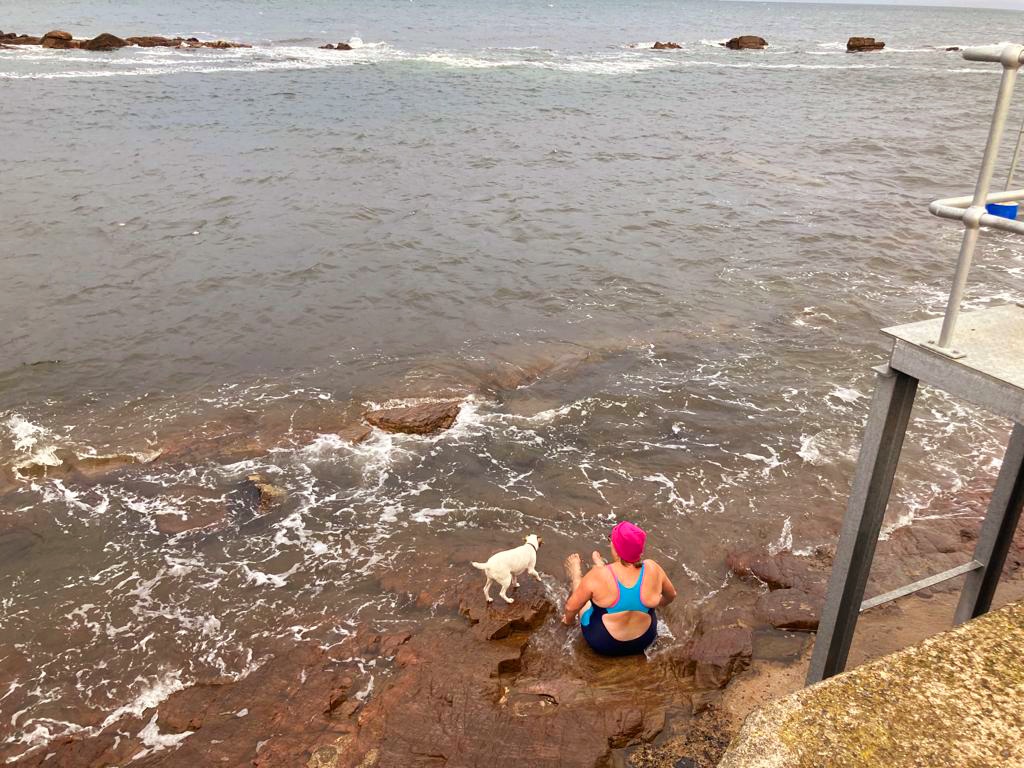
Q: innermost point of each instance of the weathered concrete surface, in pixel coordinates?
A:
(953, 700)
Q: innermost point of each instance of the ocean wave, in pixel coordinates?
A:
(140, 62)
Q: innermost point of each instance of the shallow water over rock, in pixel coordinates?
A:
(645, 276)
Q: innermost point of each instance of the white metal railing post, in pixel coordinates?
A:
(1016, 157)
(1010, 57)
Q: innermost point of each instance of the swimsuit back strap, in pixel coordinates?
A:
(629, 597)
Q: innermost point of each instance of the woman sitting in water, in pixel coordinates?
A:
(618, 599)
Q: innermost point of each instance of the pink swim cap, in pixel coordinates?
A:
(629, 540)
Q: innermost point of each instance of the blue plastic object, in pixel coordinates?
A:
(1006, 210)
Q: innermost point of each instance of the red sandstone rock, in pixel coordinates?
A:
(104, 42)
(57, 39)
(857, 44)
(746, 42)
(154, 41)
(496, 620)
(659, 46)
(355, 433)
(781, 571)
(721, 654)
(789, 609)
(423, 419)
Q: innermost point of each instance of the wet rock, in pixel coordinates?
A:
(422, 419)
(953, 48)
(23, 40)
(746, 42)
(720, 654)
(193, 43)
(789, 609)
(264, 494)
(338, 47)
(667, 46)
(15, 541)
(154, 41)
(58, 39)
(64, 462)
(493, 621)
(857, 44)
(457, 700)
(104, 42)
(355, 433)
(203, 517)
(783, 570)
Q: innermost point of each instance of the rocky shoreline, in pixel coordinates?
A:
(105, 41)
(466, 683)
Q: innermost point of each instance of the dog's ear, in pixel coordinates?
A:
(540, 540)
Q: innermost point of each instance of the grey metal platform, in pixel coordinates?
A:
(989, 374)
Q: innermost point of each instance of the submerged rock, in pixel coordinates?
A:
(64, 462)
(104, 42)
(264, 494)
(659, 46)
(355, 433)
(857, 44)
(423, 419)
(782, 570)
(338, 47)
(746, 42)
(720, 654)
(789, 609)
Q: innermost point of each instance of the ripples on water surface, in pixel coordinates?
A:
(226, 255)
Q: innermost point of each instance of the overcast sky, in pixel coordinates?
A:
(1017, 5)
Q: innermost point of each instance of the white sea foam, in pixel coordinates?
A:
(156, 741)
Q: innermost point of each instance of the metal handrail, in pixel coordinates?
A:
(971, 210)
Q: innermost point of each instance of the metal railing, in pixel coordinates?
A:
(895, 392)
(971, 209)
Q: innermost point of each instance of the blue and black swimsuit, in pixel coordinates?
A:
(596, 633)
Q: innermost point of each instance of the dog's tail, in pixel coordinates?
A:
(479, 566)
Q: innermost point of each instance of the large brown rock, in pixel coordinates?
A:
(58, 39)
(783, 570)
(746, 42)
(659, 46)
(857, 44)
(789, 609)
(423, 419)
(720, 654)
(499, 619)
(104, 42)
(13, 39)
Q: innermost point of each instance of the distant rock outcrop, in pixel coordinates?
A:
(59, 39)
(667, 46)
(338, 47)
(104, 42)
(859, 44)
(11, 38)
(746, 42)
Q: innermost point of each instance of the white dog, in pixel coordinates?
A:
(504, 567)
